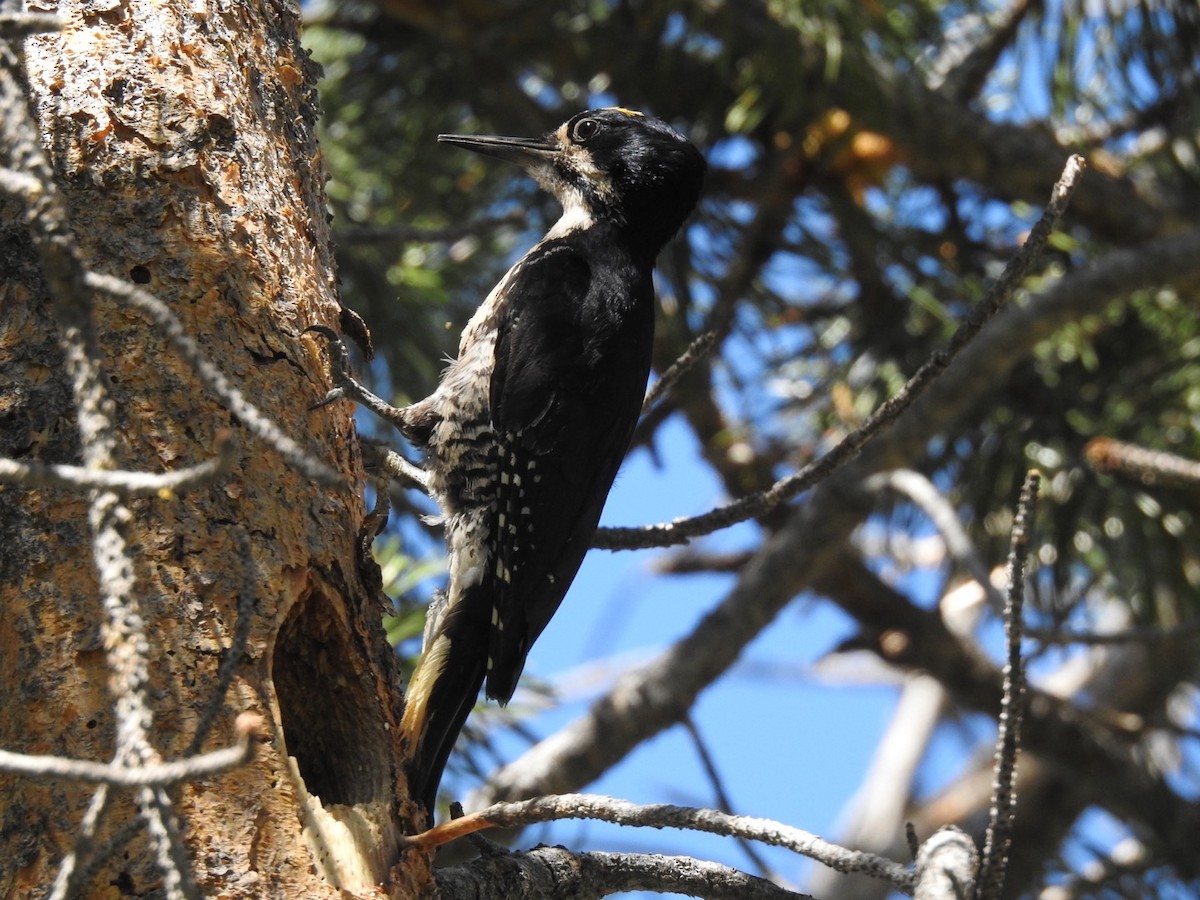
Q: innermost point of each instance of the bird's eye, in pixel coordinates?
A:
(584, 129)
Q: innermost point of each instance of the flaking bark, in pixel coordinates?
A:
(182, 139)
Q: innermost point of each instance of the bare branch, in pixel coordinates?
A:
(1004, 792)
(963, 67)
(262, 426)
(681, 530)
(621, 812)
(158, 775)
(76, 863)
(158, 813)
(1140, 464)
(558, 872)
(690, 561)
(33, 474)
(696, 351)
(946, 866)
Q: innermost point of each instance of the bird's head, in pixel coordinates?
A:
(611, 165)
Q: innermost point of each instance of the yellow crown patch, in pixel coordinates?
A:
(628, 112)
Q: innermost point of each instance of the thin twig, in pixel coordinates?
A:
(78, 862)
(691, 561)
(99, 854)
(696, 351)
(910, 838)
(723, 802)
(126, 483)
(158, 812)
(681, 530)
(924, 493)
(482, 845)
(990, 885)
(621, 812)
(262, 426)
(190, 768)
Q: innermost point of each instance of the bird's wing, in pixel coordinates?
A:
(563, 424)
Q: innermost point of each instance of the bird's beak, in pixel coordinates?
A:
(530, 153)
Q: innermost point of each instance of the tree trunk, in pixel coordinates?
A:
(182, 138)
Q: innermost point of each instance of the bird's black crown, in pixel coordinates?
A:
(632, 168)
(613, 165)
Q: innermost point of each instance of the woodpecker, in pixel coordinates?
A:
(528, 426)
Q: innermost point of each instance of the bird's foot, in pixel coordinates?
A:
(345, 385)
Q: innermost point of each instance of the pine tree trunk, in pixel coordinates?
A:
(182, 137)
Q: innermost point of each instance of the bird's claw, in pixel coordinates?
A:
(335, 393)
(346, 386)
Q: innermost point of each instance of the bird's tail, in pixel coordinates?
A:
(441, 694)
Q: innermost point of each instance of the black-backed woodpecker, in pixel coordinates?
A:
(529, 424)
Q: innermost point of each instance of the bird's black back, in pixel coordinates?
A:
(572, 359)
(572, 356)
